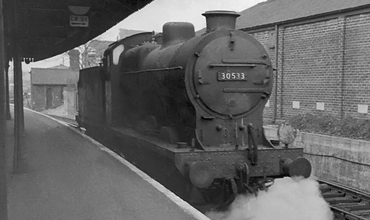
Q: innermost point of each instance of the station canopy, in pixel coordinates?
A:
(49, 27)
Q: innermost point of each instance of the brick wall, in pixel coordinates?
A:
(69, 95)
(311, 67)
(334, 158)
(38, 96)
(266, 38)
(357, 64)
(323, 67)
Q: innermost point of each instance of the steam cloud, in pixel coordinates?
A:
(286, 199)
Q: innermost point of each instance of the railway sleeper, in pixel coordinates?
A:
(333, 194)
(350, 217)
(340, 200)
(351, 204)
(359, 207)
(363, 213)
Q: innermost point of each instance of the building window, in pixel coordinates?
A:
(116, 53)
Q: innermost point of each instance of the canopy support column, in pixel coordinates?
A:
(7, 96)
(19, 143)
(3, 185)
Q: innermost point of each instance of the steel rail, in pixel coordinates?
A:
(347, 201)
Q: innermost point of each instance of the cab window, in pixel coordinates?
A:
(116, 53)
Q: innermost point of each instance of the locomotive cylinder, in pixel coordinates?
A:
(201, 174)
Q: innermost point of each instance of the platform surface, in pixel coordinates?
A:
(68, 177)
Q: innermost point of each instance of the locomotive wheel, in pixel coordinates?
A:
(195, 196)
(169, 134)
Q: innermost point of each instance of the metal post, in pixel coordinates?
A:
(18, 163)
(342, 67)
(8, 26)
(18, 114)
(7, 97)
(3, 185)
(276, 72)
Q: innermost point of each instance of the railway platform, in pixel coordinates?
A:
(70, 177)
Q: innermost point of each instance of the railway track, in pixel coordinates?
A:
(346, 202)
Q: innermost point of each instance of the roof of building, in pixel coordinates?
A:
(99, 46)
(50, 27)
(275, 11)
(61, 66)
(53, 76)
(127, 32)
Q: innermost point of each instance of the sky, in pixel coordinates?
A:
(154, 15)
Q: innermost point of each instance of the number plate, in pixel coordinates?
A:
(231, 76)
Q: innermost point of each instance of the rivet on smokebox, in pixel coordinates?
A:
(218, 127)
(231, 103)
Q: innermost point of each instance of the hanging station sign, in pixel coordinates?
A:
(78, 21)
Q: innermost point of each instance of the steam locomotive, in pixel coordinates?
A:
(196, 102)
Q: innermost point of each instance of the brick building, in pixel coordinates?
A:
(49, 86)
(320, 50)
(57, 86)
(52, 87)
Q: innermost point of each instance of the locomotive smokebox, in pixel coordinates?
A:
(218, 20)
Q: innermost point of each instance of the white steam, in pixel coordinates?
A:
(286, 199)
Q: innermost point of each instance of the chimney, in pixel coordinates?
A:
(74, 60)
(220, 20)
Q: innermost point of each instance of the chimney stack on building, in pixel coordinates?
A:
(74, 60)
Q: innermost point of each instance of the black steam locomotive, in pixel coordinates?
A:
(195, 102)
